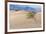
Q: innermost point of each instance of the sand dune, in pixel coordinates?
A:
(19, 20)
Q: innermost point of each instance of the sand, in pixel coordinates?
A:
(19, 20)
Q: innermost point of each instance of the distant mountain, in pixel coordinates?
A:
(24, 7)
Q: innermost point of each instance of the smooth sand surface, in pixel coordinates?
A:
(19, 20)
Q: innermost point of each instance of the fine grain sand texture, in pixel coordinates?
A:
(19, 20)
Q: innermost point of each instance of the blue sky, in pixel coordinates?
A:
(35, 8)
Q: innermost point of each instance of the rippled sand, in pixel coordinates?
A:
(18, 20)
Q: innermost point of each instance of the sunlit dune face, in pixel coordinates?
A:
(18, 19)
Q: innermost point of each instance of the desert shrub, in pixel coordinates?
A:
(16, 10)
(30, 15)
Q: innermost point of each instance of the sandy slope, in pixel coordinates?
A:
(20, 20)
